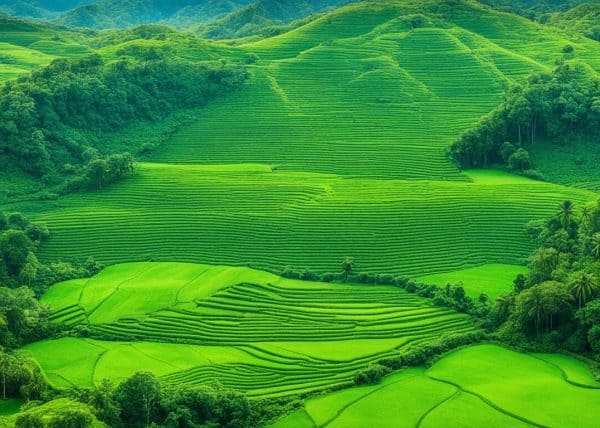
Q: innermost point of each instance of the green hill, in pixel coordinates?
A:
(349, 118)
(584, 19)
(26, 46)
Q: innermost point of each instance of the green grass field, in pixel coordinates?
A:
(27, 46)
(482, 385)
(251, 215)
(335, 147)
(491, 279)
(248, 329)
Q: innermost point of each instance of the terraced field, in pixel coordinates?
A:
(251, 215)
(483, 385)
(491, 279)
(248, 329)
(25, 47)
(360, 92)
(335, 147)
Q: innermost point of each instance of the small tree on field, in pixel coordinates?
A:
(347, 267)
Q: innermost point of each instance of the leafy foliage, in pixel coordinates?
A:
(556, 303)
(51, 120)
(562, 105)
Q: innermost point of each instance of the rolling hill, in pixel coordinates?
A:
(25, 46)
(336, 146)
(265, 179)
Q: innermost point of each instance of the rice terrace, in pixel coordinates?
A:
(299, 213)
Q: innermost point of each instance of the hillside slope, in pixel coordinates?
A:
(25, 46)
(336, 147)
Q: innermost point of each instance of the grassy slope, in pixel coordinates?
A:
(353, 112)
(248, 329)
(247, 214)
(26, 46)
(482, 385)
(396, 96)
(491, 279)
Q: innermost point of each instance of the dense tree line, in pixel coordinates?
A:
(53, 120)
(560, 106)
(23, 277)
(140, 401)
(557, 303)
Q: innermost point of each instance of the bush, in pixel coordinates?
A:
(373, 373)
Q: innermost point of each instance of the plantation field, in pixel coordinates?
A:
(335, 147)
(360, 92)
(251, 215)
(482, 385)
(248, 329)
(25, 47)
(491, 279)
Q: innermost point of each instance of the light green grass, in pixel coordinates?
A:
(575, 371)
(248, 215)
(478, 386)
(248, 329)
(521, 385)
(491, 279)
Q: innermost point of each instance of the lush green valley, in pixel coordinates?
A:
(381, 213)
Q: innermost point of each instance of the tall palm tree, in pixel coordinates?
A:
(596, 245)
(503, 304)
(565, 213)
(585, 216)
(533, 302)
(347, 267)
(584, 287)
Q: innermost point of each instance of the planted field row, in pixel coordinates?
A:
(252, 216)
(247, 329)
(398, 95)
(165, 302)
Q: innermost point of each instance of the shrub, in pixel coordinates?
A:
(370, 374)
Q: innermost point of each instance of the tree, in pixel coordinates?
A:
(138, 398)
(102, 400)
(15, 246)
(30, 269)
(541, 303)
(565, 213)
(519, 161)
(541, 264)
(585, 216)
(503, 305)
(583, 287)
(347, 267)
(97, 170)
(595, 242)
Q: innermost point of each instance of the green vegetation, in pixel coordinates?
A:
(54, 120)
(329, 164)
(250, 330)
(584, 19)
(483, 385)
(238, 214)
(560, 106)
(556, 303)
(26, 46)
(491, 279)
